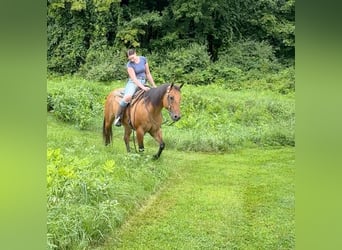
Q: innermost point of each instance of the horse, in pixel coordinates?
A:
(143, 114)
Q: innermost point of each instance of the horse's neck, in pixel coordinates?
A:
(157, 102)
(156, 108)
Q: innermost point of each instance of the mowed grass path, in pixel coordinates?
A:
(241, 200)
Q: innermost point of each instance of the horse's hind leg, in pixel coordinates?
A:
(107, 132)
(127, 135)
(109, 111)
(140, 139)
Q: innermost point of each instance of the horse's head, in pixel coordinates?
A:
(172, 101)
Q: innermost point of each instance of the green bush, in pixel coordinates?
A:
(285, 80)
(183, 65)
(104, 63)
(238, 64)
(250, 56)
(78, 104)
(238, 67)
(242, 62)
(66, 55)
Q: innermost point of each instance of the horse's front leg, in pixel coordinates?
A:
(157, 135)
(127, 135)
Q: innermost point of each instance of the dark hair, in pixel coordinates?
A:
(130, 52)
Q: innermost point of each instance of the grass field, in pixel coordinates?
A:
(243, 200)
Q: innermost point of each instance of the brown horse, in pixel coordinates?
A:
(143, 114)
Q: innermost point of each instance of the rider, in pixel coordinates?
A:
(138, 71)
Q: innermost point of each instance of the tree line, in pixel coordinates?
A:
(87, 36)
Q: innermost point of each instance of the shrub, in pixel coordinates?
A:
(229, 77)
(78, 104)
(283, 82)
(250, 56)
(69, 53)
(240, 62)
(213, 116)
(182, 65)
(104, 63)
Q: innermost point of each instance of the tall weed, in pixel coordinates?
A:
(87, 199)
(216, 119)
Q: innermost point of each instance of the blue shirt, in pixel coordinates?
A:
(139, 68)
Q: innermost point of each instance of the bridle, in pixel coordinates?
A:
(169, 98)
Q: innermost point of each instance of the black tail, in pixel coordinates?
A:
(107, 133)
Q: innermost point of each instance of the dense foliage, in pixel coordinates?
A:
(89, 37)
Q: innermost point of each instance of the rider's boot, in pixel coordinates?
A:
(119, 115)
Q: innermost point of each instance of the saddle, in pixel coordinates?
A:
(137, 95)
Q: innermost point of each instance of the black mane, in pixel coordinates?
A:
(154, 95)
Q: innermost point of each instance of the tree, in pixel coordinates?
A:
(76, 26)
(273, 21)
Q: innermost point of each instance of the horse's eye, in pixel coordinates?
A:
(171, 98)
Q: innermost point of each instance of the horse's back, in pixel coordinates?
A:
(112, 102)
(116, 93)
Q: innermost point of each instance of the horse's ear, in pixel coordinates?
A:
(169, 88)
(181, 85)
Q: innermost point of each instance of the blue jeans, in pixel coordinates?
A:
(130, 89)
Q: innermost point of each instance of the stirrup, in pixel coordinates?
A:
(117, 121)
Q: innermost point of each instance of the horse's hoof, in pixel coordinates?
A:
(155, 157)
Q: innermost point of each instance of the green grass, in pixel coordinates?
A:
(243, 200)
(92, 189)
(240, 200)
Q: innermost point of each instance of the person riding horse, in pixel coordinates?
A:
(144, 115)
(138, 71)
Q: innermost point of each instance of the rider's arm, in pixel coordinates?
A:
(149, 75)
(133, 77)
